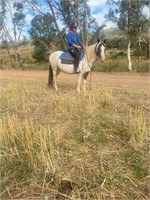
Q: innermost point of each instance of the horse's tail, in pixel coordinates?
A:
(50, 76)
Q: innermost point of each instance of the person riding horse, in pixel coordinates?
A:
(93, 52)
(74, 45)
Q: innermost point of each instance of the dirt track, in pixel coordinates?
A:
(133, 80)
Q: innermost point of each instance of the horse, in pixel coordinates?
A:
(91, 54)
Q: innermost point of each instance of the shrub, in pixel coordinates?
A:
(40, 53)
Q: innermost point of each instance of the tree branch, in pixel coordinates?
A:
(34, 7)
(53, 13)
(61, 11)
(86, 23)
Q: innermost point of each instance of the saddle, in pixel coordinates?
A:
(67, 58)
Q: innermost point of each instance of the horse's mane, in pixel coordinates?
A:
(91, 51)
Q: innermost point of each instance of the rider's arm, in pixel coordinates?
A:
(69, 39)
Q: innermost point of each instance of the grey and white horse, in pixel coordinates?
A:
(92, 52)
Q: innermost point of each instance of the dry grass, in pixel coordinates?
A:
(98, 141)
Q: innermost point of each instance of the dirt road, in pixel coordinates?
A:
(133, 80)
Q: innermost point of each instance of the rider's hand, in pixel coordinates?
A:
(77, 46)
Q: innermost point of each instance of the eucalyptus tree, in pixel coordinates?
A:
(12, 20)
(43, 34)
(139, 25)
(148, 49)
(50, 8)
(129, 17)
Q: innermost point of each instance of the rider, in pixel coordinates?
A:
(74, 45)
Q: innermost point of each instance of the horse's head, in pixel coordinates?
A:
(100, 50)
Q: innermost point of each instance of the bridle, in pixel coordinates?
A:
(98, 49)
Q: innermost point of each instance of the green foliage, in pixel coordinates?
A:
(12, 35)
(66, 14)
(2, 12)
(40, 52)
(64, 7)
(115, 38)
(4, 44)
(126, 18)
(43, 35)
(19, 17)
(42, 29)
(117, 42)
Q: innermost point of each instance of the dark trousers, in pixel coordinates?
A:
(76, 54)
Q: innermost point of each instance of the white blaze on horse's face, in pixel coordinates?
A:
(100, 51)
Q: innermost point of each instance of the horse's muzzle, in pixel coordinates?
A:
(101, 60)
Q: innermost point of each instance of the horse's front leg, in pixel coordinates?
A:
(85, 75)
(79, 82)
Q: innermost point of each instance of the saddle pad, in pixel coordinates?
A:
(68, 62)
(67, 58)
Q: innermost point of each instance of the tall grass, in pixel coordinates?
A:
(96, 141)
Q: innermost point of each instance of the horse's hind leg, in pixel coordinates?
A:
(79, 82)
(85, 75)
(55, 74)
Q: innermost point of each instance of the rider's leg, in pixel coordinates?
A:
(76, 54)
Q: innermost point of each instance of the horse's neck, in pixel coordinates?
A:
(91, 54)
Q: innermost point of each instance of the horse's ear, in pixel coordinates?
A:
(98, 40)
(105, 41)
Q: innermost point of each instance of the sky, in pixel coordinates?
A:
(98, 11)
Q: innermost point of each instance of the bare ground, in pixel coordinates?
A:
(131, 80)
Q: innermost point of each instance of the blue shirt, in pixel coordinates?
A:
(73, 38)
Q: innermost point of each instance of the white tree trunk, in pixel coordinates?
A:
(86, 23)
(149, 34)
(129, 56)
(140, 53)
(17, 64)
(129, 37)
